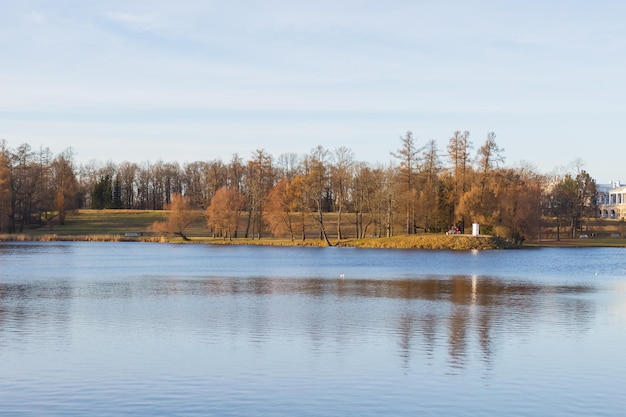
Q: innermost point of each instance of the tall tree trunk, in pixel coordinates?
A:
(248, 222)
(339, 236)
(320, 219)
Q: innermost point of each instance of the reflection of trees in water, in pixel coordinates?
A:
(428, 331)
(483, 326)
(406, 324)
(464, 312)
(473, 309)
(463, 316)
(457, 336)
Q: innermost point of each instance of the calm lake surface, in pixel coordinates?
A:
(156, 329)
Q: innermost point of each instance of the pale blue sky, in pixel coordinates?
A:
(198, 80)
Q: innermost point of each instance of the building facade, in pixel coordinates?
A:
(612, 200)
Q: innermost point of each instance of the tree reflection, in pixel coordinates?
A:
(460, 316)
(465, 311)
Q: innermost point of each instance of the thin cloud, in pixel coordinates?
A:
(538, 73)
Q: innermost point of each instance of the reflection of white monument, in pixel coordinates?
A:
(474, 284)
(612, 200)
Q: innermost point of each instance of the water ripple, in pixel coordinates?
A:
(179, 330)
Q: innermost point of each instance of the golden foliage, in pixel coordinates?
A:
(180, 217)
(223, 212)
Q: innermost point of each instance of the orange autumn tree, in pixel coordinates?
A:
(179, 218)
(223, 212)
(282, 203)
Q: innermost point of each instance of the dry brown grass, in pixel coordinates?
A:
(135, 225)
(433, 241)
(600, 228)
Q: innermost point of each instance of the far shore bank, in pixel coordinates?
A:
(137, 226)
(424, 241)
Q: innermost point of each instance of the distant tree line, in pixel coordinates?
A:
(421, 190)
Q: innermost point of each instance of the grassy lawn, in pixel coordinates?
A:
(137, 225)
(596, 242)
(102, 222)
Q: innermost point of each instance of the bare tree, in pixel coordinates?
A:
(127, 174)
(158, 185)
(458, 151)
(5, 188)
(480, 200)
(225, 175)
(24, 179)
(298, 195)
(65, 184)
(588, 196)
(490, 156)
(431, 169)
(144, 184)
(340, 174)
(372, 200)
(193, 186)
(259, 179)
(317, 186)
(179, 218)
(288, 165)
(236, 172)
(408, 155)
(172, 181)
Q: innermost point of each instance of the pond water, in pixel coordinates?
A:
(157, 329)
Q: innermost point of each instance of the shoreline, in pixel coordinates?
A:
(89, 225)
(414, 242)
